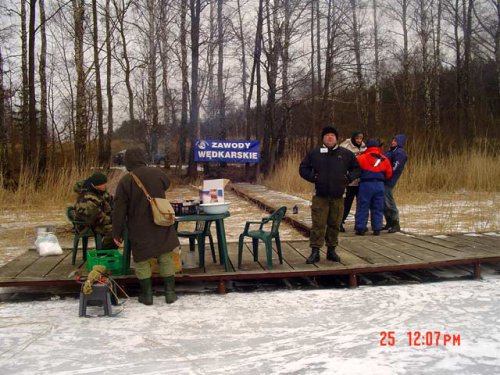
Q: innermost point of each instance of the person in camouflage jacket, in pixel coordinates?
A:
(94, 207)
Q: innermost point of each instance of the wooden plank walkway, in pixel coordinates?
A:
(359, 255)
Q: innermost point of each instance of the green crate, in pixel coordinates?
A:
(112, 259)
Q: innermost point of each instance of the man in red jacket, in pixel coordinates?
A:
(375, 169)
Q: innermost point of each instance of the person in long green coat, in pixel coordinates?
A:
(147, 240)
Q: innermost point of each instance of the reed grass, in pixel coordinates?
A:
(474, 169)
(55, 187)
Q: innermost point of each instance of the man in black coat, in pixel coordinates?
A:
(330, 168)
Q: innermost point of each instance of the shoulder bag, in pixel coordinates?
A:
(163, 212)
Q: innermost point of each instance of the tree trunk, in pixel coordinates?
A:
(221, 100)
(42, 157)
(109, 88)
(81, 99)
(470, 125)
(377, 66)
(312, 128)
(255, 75)
(244, 75)
(424, 35)
(497, 46)
(458, 67)
(98, 88)
(120, 13)
(361, 101)
(25, 87)
(285, 58)
(168, 105)
(33, 128)
(195, 6)
(4, 151)
(437, 69)
(152, 96)
(185, 85)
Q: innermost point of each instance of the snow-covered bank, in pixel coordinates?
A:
(303, 332)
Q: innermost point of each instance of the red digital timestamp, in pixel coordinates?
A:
(421, 338)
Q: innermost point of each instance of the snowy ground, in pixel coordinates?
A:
(330, 331)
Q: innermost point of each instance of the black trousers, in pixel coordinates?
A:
(351, 192)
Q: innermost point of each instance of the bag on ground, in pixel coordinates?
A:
(47, 244)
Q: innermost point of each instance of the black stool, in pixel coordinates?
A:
(100, 293)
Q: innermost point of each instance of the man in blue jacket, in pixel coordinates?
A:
(397, 156)
(330, 168)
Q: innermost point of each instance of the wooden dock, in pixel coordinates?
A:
(359, 256)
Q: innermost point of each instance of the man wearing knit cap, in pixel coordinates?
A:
(330, 168)
(94, 206)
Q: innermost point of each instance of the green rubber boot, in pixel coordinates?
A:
(146, 296)
(170, 296)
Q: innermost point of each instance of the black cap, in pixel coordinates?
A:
(97, 179)
(329, 129)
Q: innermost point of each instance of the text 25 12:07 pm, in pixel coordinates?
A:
(421, 338)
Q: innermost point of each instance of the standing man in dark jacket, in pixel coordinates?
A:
(147, 240)
(330, 168)
(397, 156)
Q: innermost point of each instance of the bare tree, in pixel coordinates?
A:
(361, 101)
(164, 48)
(423, 26)
(221, 100)
(81, 98)
(98, 88)
(195, 13)
(109, 90)
(121, 8)
(377, 65)
(42, 157)
(25, 86)
(4, 150)
(185, 85)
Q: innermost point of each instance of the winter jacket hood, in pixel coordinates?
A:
(135, 158)
(374, 165)
(397, 156)
(400, 139)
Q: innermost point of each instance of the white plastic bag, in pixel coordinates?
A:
(47, 244)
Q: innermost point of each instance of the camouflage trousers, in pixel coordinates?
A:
(326, 214)
(165, 264)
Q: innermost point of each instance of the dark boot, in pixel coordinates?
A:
(332, 255)
(376, 233)
(170, 296)
(387, 225)
(314, 257)
(395, 227)
(342, 229)
(146, 296)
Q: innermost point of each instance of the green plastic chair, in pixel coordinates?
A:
(266, 236)
(81, 230)
(201, 231)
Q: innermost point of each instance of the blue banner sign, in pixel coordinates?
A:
(227, 151)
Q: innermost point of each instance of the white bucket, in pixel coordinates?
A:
(189, 259)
